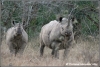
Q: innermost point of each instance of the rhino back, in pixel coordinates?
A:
(55, 33)
(46, 30)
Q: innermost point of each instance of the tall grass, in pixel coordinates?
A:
(85, 51)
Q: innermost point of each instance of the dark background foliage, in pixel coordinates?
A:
(38, 13)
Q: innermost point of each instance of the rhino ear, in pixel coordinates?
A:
(23, 23)
(73, 19)
(13, 23)
(60, 19)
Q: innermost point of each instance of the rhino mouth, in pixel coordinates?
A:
(19, 33)
(68, 33)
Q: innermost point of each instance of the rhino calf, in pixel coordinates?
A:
(16, 38)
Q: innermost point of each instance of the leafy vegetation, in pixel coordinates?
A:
(38, 13)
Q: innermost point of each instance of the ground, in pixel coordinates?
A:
(83, 52)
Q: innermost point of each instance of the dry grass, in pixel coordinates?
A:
(82, 52)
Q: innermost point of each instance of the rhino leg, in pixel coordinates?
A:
(12, 50)
(68, 45)
(42, 45)
(67, 49)
(22, 48)
(16, 50)
(42, 50)
(57, 54)
(55, 49)
(52, 51)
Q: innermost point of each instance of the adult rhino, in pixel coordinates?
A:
(57, 35)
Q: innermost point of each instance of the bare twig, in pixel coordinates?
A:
(92, 20)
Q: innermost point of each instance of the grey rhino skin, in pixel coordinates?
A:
(16, 38)
(57, 35)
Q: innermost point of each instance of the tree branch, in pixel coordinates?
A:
(92, 20)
